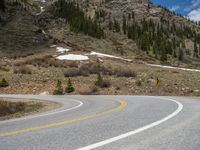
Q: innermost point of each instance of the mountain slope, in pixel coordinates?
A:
(147, 28)
(135, 28)
(18, 27)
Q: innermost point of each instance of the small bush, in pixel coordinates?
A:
(22, 70)
(59, 89)
(2, 68)
(7, 107)
(4, 83)
(102, 83)
(122, 72)
(138, 83)
(74, 72)
(105, 84)
(19, 63)
(70, 64)
(93, 68)
(69, 88)
(88, 90)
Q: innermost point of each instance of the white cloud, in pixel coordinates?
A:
(194, 5)
(175, 7)
(194, 15)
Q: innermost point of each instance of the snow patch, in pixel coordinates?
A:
(42, 9)
(62, 50)
(52, 46)
(106, 55)
(73, 57)
(43, 32)
(42, 1)
(170, 67)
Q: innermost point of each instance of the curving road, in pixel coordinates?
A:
(107, 123)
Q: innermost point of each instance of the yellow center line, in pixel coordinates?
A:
(122, 105)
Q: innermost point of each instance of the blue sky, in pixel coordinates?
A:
(190, 8)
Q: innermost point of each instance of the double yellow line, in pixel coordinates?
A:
(122, 105)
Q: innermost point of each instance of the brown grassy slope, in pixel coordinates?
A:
(43, 78)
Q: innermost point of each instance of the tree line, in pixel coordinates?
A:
(75, 17)
(160, 38)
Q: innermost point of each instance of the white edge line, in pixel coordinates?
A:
(125, 135)
(42, 115)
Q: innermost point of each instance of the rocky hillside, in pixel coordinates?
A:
(148, 29)
(18, 27)
(135, 28)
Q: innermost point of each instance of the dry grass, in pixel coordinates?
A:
(7, 107)
(46, 61)
(3, 68)
(91, 90)
(74, 72)
(15, 109)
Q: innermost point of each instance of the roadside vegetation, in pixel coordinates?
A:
(59, 88)
(14, 109)
(4, 83)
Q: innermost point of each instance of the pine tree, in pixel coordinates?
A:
(181, 55)
(124, 24)
(2, 5)
(75, 17)
(4, 83)
(116, 26)
(87, 2)
(99, 80)
(69, 88)
(195, 48)
(59, 89)
(133, 15)
(163, 52)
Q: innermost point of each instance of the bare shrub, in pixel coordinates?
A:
(88, 90)
(93, 68)
(100, 82)
(70, 64)
(74, 72)
(124, 72)
(22, 70)
(19, 63)
(3, 68)
(7, 107)
(105, 84)
(138, 83)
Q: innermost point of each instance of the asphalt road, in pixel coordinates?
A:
(107, 123)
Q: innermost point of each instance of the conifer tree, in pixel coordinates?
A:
(195, 48)
(59, 89)
(2, 5)
(4, 83)
(76, 18)
(124, 24)
(69, 88)
(163, 52)
(116, 26)
(99, 80)
(181, 55)
(110, 23)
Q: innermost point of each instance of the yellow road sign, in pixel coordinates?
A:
(157, 81)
